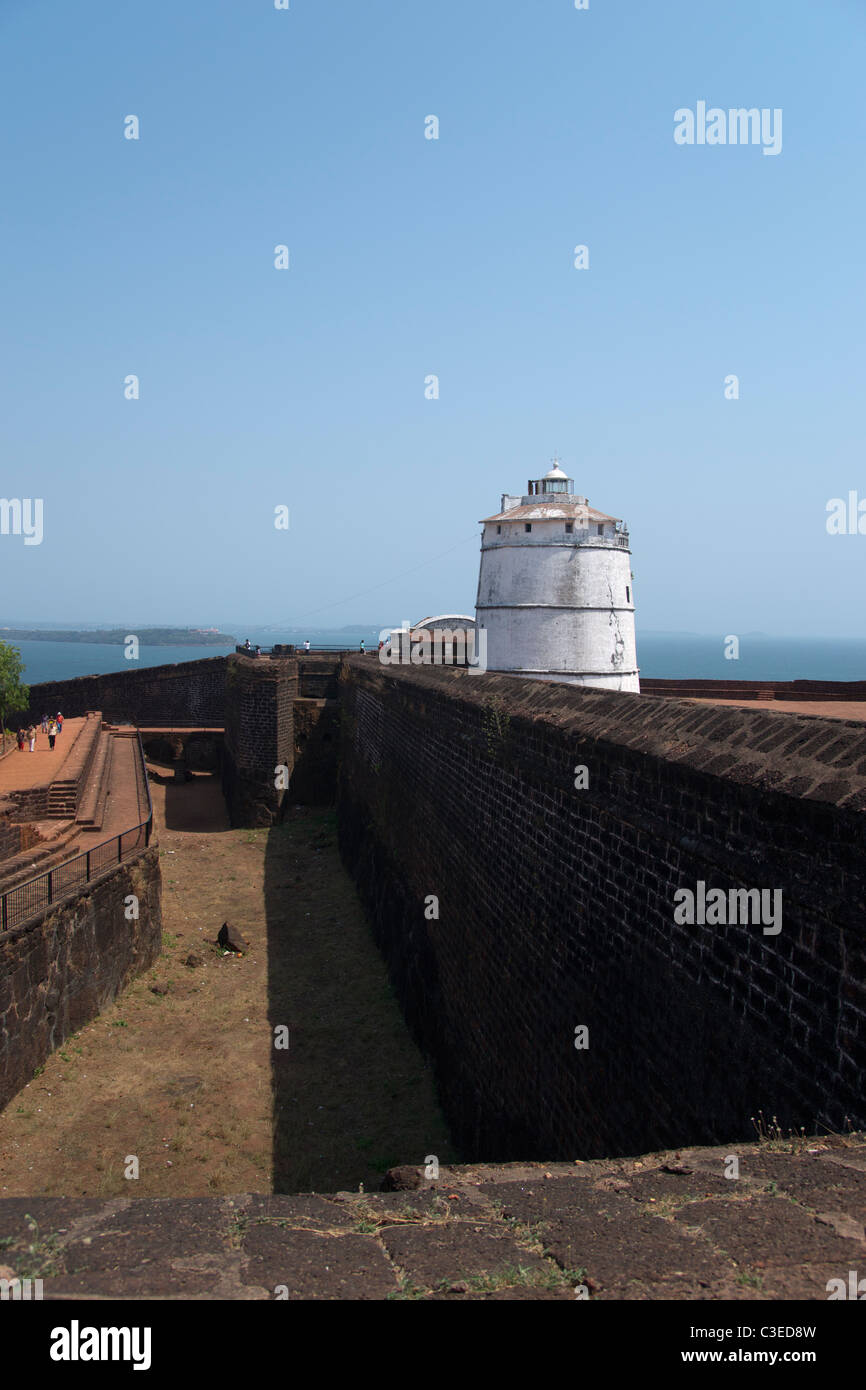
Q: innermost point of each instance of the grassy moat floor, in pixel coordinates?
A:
(187, 1079)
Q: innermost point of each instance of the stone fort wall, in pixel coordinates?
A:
(256, 700)
(556, 906)
(755, 690)
(59, 971)
(185, 693)
(259, 737)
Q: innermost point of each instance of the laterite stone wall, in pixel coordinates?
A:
(186, 693)
(59, 971)
(259, 736)
(556, 906)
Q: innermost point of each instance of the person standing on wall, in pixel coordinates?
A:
(307, 645)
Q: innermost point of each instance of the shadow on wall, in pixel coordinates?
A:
(196, 804)
(352, 1094)
(316, 738)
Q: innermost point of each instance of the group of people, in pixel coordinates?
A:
(52, 725)
(258, 650)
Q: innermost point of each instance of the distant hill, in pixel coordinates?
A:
(147, 636)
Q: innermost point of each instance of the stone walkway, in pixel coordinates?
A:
(125, 807)
(827, 709)
(20, 771)
(665, 1226)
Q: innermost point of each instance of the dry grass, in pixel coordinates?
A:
(185, 1081)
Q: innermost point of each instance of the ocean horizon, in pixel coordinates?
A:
(671, 655)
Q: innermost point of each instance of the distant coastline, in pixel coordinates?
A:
(147, 636)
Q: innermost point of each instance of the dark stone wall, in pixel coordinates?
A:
(556, 907)
(58, 972)
(259, 736)
(201, 750)
(31, 803)
(14, 836)
(186, 693)
(10, 838)
(318, 677)
(316, 733)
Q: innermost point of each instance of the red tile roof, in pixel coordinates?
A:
(550, 510)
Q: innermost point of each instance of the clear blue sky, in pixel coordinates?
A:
(409, 257)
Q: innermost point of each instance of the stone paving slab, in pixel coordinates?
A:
(816, 1182)
(611, 1250)
(314, 1266)
(662, 1227)
(766, 1231)
(459, 1253)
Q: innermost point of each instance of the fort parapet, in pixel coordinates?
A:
(801, 690)
(186, 693)
(555, 906)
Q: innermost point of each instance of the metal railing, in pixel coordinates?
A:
(297, 649)
(33, 897)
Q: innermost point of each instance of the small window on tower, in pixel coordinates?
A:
(569, 527)
(601, 530)
(627, 594)
(527, 526)
(499, 530)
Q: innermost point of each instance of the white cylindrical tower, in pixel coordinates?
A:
(555, 589)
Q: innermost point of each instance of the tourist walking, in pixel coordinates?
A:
(52, 732)
(22, 734)
(45, 723)
(59, 722)
(31, 734)
(363, 647)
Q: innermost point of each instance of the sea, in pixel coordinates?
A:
(58, 661)
(675, 655)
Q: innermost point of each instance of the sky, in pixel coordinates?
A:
(307, 387)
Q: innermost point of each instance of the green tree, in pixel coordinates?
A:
(14, 695)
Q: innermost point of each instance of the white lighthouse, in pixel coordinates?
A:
(555, 589)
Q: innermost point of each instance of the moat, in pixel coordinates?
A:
(181, 1071)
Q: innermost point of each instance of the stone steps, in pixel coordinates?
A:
(62, 798)
(64, 793)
